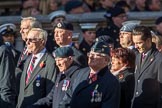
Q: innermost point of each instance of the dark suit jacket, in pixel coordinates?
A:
(7, 78)
(45, 76)
(148, 79)
(108, 86)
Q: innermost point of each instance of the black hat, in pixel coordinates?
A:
(62, 52)
(101, 47)
(72, 4)
(8, 28)
(128, 26)
(64, 25)
(114, 12)
(158, 20)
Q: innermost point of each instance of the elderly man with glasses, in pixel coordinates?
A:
(98, 87)
(39, 71)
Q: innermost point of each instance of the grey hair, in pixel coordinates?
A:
(42, 33)
(34, 23)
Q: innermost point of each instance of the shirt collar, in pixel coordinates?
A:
(40, 53)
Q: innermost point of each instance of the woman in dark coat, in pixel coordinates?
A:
(123, 63)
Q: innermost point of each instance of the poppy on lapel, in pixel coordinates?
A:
(42, 64)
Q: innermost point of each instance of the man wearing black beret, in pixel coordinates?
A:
(98, 87)
(60, 95)
(63, 37)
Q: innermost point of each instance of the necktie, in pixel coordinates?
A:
(30, 69)
(92, 77)
(22, 56)
(143, 56)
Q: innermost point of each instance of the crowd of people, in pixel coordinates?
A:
(117, 66)
(45, 7)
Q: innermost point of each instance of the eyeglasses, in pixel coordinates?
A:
(95, 55)
(33, 40)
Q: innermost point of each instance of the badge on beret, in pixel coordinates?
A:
(59, 25)
(8, 28)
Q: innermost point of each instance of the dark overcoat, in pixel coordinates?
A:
(102, 93)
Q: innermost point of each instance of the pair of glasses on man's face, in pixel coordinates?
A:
(33, 40)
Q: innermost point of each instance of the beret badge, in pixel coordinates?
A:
(59, 25)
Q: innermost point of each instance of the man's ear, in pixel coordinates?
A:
(69, 34)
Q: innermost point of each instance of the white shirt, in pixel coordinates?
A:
(39, 56)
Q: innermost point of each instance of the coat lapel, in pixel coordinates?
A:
(25, 70)
(149, 60)
(37, 69)
(83, 84)
(147, 63)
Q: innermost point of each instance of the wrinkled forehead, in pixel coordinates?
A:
(33, 34)
(25, 24)
(60, 30)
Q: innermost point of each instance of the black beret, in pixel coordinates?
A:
(158, 20)
(113, 12)
(64, 25)
(100, 47)
(72, 4)
(62, 52)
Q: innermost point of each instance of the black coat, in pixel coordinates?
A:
(113, 31)
(148, 79)
(7, 78)
(126, 79)
(84, 47)
(108, 91)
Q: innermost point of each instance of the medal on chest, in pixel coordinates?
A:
(38, 79)
(65, 85)
(96, 96)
